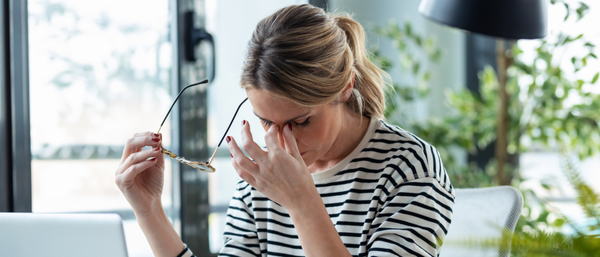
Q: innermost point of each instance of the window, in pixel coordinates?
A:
(98, 74)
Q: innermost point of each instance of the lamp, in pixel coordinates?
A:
(511, 19)
(504, 19)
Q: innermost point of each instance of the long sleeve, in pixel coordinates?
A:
(413, 221)
(240, 234)
(186, 253)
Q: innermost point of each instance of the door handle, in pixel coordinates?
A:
(192, 37)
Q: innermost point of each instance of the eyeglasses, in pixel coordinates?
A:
(203, 166)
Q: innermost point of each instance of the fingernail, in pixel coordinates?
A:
(290, 126)
(231, 155)
(157, 148)
(228, 138)
(154, 135)
(152, 158)
(155, 139)
(243, 122)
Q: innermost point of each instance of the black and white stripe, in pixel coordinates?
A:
(389, 197)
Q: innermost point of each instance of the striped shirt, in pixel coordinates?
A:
(390, 197)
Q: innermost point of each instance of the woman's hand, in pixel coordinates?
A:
(140, 174)
(279, 173)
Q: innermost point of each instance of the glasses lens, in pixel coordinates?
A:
(203, 166)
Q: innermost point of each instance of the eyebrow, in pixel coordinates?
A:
(287, 121)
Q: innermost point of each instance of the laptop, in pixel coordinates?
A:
(64, 235)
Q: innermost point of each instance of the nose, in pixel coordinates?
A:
(281, 142)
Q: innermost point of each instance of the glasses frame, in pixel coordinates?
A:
(203, 166)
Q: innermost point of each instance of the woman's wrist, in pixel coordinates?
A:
(155, 211)
(159, 232)
(305, 203)
(152, 216)
(316, 232)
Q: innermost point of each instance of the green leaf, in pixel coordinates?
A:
(559, 222)
(589, 44)
(415, 68)
(582, 10)
(595, 78)
(426, 76)
(408, 28)
(593, 56)
(429, 42)
(579, 83)
(418, 40)
(546, 186)
(436, 55)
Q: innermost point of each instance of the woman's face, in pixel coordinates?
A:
(314, 128)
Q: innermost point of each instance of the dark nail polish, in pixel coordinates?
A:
(243, 122)
(157, 148)
(152, 158)
(155, 139)
(228, 138)
(290, 126)
(231, 155)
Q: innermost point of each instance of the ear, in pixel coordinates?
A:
(347, 92)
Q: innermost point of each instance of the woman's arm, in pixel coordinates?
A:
(317, 234)
(159, 232)
(140, 178)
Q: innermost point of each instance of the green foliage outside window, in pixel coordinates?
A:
(548, 107)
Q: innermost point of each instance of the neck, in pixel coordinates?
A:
(347, 139)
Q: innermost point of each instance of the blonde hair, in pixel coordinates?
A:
(306, 55)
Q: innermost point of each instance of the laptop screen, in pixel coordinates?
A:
(65, 235)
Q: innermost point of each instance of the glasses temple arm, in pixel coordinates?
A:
(227, 130)
(175, 101)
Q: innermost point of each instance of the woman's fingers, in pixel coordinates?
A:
(290, 142)
(249, 145)
(238, 157)
(139, 157)
(272, 139)
(125, 179)
(246, 176)
(139, 141)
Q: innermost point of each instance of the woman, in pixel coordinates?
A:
(336, 180)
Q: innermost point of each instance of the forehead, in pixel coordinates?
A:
(274, 108)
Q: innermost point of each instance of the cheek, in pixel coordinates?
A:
(315, 137)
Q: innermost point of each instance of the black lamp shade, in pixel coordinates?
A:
(511, 19)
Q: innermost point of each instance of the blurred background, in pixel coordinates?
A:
(101, 71)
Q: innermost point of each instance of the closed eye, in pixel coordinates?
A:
(303, 124)
(266, 123)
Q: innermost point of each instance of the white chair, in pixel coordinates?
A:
(482, 213)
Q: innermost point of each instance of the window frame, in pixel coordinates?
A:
(15, 155)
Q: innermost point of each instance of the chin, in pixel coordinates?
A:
(307, 159)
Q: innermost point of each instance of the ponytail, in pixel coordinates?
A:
(368, 96)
